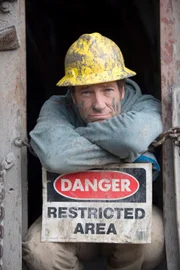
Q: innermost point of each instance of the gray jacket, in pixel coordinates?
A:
(64, 143)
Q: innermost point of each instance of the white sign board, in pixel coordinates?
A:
(109, 205)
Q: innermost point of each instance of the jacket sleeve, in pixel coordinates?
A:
(59, 147)
(128, 134)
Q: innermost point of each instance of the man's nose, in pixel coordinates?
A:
(98, 103)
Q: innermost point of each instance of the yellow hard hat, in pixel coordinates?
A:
(93, 59)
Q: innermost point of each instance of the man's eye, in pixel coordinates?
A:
(85, 93)
(108, 90)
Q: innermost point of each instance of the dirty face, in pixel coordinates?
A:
(98, 102)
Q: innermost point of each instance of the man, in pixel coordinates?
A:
(103, 119)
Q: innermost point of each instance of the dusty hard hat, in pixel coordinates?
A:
(93, 59)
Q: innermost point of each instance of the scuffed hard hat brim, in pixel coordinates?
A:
(106, 76)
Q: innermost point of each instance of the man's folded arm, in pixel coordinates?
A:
(128, 134)
(59, 147)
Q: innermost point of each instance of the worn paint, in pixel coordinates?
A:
(170, 55)
(8, 39)
(176, 122)
(94, 59)
(13, 124)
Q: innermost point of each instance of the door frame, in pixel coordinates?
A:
(170, 81)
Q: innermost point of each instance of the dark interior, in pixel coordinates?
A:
(53, 25)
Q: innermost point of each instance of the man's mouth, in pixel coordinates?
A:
(98, 117)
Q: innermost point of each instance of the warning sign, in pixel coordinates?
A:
(113, 204)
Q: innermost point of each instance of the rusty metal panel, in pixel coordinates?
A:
(176, 123)
(110, 205)
(13, 124)
(170, 79)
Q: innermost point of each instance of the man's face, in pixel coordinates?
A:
(98, 102)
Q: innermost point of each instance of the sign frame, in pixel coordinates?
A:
(72, 220)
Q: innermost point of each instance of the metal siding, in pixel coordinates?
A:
(170, 79)
(13, 124)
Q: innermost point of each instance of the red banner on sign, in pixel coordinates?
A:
(104, 185)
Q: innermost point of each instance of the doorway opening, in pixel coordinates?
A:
(53, 25)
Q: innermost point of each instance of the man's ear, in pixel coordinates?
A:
(121, 86)
(122, 92)
(72, 91)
